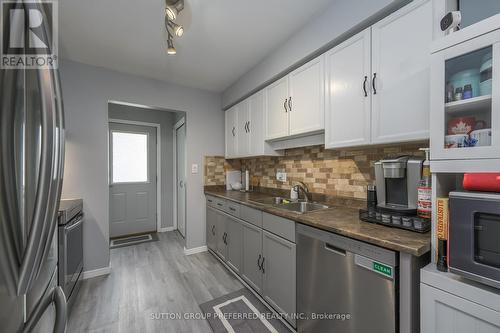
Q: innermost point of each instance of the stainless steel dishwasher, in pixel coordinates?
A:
(344, 285)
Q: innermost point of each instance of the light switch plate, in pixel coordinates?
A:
(281, 176)
(194, 169)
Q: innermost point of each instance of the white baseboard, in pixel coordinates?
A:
(96, 272)
(166, 229)
(195, 250)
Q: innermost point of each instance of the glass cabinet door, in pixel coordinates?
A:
(465, 100)
(468, 88)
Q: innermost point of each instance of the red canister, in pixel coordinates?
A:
(487, 182)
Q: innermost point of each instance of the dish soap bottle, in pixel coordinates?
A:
(424, 189)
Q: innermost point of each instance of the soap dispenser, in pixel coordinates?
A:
(294, 193)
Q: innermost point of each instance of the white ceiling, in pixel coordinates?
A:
(223, 39)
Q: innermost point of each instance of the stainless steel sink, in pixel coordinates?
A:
(302, 206)
(272, 201)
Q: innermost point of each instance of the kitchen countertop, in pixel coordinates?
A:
(342, 220)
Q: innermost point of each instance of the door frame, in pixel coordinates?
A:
(158, 163)
(178, 125)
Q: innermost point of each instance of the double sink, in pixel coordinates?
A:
(299, 206)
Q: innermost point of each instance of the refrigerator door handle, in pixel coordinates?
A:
(9, 242)
(55, 195)
(39, 233)
(57, 297)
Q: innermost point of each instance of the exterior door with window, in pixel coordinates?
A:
(132, 192)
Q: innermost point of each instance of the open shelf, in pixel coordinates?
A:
(470, 104)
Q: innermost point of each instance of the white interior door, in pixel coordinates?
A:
(132, 193)
(181, 178)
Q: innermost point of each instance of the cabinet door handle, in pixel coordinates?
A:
(262, 265)
(248, 126)
(284, 104)
(213, 230)
(234, 134)
(258, 262)
(290, 104)
(364, 86)
(373, 83)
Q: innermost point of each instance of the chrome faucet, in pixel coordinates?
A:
(303, 187)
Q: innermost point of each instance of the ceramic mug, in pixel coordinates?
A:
(482, 137)
(455, 140)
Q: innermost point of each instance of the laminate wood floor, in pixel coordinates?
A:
(151, 279)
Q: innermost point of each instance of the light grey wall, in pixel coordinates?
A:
(324, 31)
(87, 91)
(166, 120)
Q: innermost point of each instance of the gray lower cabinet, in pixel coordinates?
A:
(211, 228)
(234, 235)
(279, 274)
(220, 226)
(252, 256)
(452, 304)
(443, 312)
(256, 251)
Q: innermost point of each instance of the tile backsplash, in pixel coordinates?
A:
(342, 173)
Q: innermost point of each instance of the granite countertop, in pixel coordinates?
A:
(340, 219)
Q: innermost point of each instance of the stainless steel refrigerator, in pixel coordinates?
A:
(31, 169)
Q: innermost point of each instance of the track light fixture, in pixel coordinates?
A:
(172, 10)
(170, 47)
(171, 13)
(176, 28)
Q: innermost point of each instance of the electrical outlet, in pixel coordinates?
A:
(281, 176)
(194, 169)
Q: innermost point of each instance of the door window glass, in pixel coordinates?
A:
(130, 157)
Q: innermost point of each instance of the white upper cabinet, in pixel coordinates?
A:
(277, 109)
(231, 116)
(242, 128)
(256, 125)
(296, 103)
(306, 102)
(401, 74)
(245, 126)
(348, 92)
(371, 89)
(465, 103)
